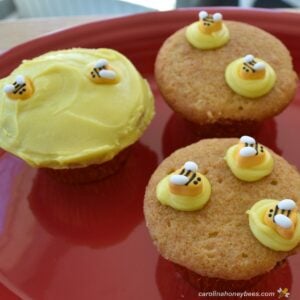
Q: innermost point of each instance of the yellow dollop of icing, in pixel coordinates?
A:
(70, 121)
(267, 235)
(205, 41)
(250, 88)
(251, 173)
(179, 202)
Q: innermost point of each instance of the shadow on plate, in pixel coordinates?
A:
(178, 134)
(98, 214)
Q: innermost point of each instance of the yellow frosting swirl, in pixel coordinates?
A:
(250, 88)
(252, 173)
(205, 41)
(267, 235)
(179, 202)
(70, 121)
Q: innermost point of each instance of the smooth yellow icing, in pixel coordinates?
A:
(253, 173)
(184, 203)
(204, 41)
(267, 235)
(250, 88)
(70, 121)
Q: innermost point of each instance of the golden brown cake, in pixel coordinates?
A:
(216, 240)
(193, 82)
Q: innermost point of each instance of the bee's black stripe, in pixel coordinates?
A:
(256, 145)
(249, 66)
(97, 72)
(275, 213)
(18, 87)
(209, 18)
(191, 179)
(182, 171)
(187, 173)
(288, 214)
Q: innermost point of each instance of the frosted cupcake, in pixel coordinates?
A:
(73, 109)
(225, 77)
(216, 221)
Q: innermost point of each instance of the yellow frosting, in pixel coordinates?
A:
(250, 88)
(267, 235)
(252, 173)
(184, 203)
(205, 41)
(70, 121)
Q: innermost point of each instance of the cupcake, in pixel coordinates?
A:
(74, 112)
(211, 208)
(225, 77)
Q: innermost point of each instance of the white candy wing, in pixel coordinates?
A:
(20, 79)
(108, 74)
(203, 14)
(248, 58)
(178, 179)
(247, 139)
(217, 17)
(101, 63)
(247, 152)
(287, 204)
(8, 88)
(259, 66)
(283, 221)
(191, 166)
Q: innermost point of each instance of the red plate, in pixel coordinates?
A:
(90, 241)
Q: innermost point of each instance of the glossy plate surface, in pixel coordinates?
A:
(90, 241)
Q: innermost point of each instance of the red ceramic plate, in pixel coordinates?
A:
(90, 241)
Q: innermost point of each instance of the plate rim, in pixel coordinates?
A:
(258, 14)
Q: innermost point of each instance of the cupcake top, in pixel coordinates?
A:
(216, 240)
(72, 108)
(234, 72)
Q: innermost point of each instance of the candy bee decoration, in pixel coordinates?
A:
(249, 160)
(275, 223)
(21, 89)
(282, 217)
(251, 69)
(186, 189)
(209, 32)
(250, 152)
(250, 77)
(210, 23)
(103, 72)
(187, 182)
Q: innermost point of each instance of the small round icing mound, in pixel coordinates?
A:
(250, 88)
(267, 235)
(205, 41)
(71, 121)
(250, 173)
(179, 202)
